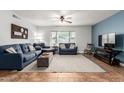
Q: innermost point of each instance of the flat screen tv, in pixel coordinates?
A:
(106, 39)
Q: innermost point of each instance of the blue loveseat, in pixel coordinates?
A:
(19, 60)
(67, 50)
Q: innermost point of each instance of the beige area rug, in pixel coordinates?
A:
(66, 63)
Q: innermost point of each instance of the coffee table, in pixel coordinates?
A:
(44, 59)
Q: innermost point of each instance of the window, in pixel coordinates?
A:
(53, 39)
(62, 37)
(111, 38)
(104, 39)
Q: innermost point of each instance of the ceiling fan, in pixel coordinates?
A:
(64, 19)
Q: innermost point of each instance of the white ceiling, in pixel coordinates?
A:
(79, 17)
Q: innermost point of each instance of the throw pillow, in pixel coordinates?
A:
(62, 46)
(72, 46)
(10, 50)
(31, 48)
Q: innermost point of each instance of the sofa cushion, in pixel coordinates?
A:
(25, 48)
(38, 52)
(31, 48)
(28, 56)
(17, 48)
(72, 46)
(62, 46)
(67, 45)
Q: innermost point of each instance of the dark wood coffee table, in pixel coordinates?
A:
(44, 59)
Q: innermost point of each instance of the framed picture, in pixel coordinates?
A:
(18, 32)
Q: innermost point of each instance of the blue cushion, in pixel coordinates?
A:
(28, 56)
(25, 48)
(17, 48)
(38, 52)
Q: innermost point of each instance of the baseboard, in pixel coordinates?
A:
(80, 52)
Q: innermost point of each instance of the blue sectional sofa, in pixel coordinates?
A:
(67, 50)
(17, 61)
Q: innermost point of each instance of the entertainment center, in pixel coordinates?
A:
(109, 47)
(106, 55)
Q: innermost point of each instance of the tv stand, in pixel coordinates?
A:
(106, 55)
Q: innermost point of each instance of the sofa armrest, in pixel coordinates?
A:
(76, 48)
(38, 48)
(11, 61)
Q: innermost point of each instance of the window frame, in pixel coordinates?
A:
(63, 31)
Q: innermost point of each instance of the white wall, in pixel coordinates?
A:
(6, 20)
(83, 34)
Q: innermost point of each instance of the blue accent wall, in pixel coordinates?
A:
(114, 23)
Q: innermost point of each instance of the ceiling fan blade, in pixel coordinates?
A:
(68, 21)
(56, 17)
(68, 17)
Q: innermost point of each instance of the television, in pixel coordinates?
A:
(107, 40)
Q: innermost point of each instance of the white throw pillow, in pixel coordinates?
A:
(62, 46)
(10, 50)
(31, 48)
(72, 46)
